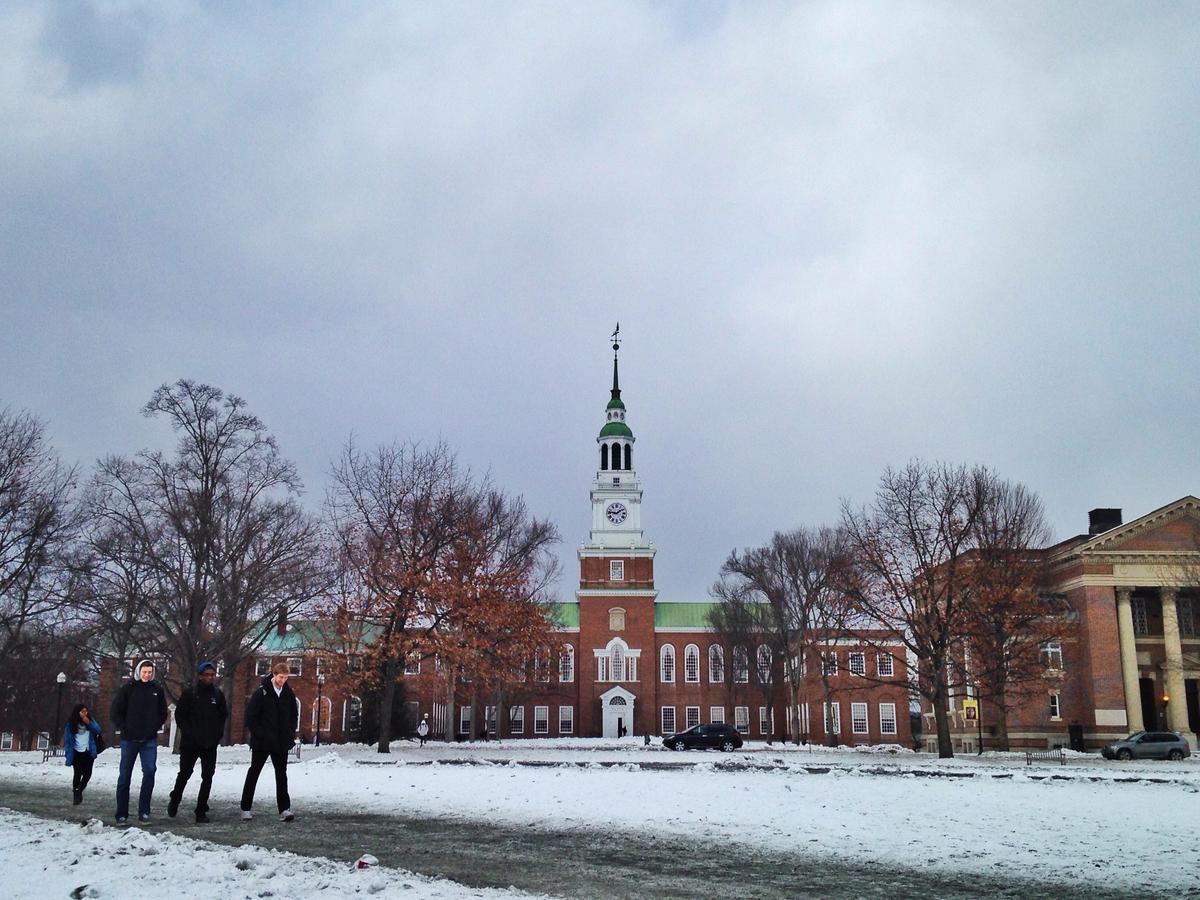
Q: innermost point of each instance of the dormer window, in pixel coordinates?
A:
(616, 570)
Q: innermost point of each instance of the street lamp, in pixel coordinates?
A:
(320, 686)
(61, 679)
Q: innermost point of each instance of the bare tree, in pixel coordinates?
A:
(37, 522)
(739, 620)
(211, 540)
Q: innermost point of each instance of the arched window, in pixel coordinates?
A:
(326, 714)
(604, 456)
(566, 664)
(666, 657)
(616, 455)
(629, 456)
(541, 664)
(691, 664)
(764, 664)
(716, 664)
(351, 716)
(616, 662)
(741, 665)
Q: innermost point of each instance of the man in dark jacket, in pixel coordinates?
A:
(138, 712)
(200, 715)
(271, 718)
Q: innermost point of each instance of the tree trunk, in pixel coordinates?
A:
(1001, 721)
(794, 735)
(386, 700)
(448, 728)
(941, 717)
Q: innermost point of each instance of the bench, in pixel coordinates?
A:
(51, 752)
(1032, 756)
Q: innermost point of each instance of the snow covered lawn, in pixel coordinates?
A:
(1091, 821)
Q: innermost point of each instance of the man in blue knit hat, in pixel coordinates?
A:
(200, 715)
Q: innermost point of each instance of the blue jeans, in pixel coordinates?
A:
(147, 751)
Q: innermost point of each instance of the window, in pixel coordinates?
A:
(716, 715)
(351, 715)
(858, 663)
(766, 724)
(741, 719)
(668, 720)
(354, 663)
(829, 663)
(616, 570)
(885, 665)
(716, 664)
(320, 665)
(1052, 654)
(326, 714)
(1055, 707)
(764, 664)
(262, 666)
(691, 716)
(1186, 610)
(43, 740)
(858, 718)
(516, 720)
(412, 663)
(566, 664)
(439, 667)
(616, 619)
(833, 718)
(1141, 623)
(741, 666)
(887, 718)
(566, 720)
(6, 740)
(691, 664)
(541, 664)
(666, 658)
(295, 665)
(804, 726)
(541, 720)
(464, 720)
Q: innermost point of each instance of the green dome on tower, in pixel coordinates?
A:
(616, 429)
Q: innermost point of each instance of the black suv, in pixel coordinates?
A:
(705, 737)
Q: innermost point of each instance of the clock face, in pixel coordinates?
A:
(616, 513)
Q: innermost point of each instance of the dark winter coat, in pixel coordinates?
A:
(271, 720)
(139, 710)
(68, 744)
(201, 713)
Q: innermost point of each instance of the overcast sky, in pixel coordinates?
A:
(837, 236)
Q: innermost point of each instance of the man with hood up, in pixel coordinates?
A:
(139, 710)
(271, 719)
(200, 715)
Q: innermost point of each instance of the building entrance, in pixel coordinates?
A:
(616, 708)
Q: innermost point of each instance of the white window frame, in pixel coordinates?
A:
(857, 662)
(885, 665)
(804, 722)
(667, 719)
(566, 664)
(741, 665)
(1055, 706)
(833, 717)
(541, 720)
(1052, 654)
(666, 664)
(691, 716)
(327, 709)
(763, 659)
(741, 719)
(691, 664)
(412, 663)
(716, 715)
(346, 704)
(516, 719)
(320, 666)
(887, 718)
(616, 570)
(860, 722)
(464, 720)
(6, 740)
(295, 666)
(43, 741)
(262, 666)
(566, 720)
(716, 673)
(766, 721)
(829, 662)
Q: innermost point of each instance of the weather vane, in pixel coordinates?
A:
(616, 340)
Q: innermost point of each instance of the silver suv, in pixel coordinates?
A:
(1148, 745)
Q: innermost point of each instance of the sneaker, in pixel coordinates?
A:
(76, 798)
(172, 807)
(247, 815)
(145, 820)
(120, 820)
(286, 816)
(201, 818)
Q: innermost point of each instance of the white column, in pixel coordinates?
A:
(1177, 718)
(1129, 666)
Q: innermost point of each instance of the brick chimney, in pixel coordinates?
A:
(1102, 520)
(282, 623)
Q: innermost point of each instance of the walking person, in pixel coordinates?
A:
(79, 748)
(139, 710)
(423, 729)
(200, 715)
(271, 719)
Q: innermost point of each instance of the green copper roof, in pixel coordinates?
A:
(615, 429)
(564, 615)
(682, 615)
(615, 403)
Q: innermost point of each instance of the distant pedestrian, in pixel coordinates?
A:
(271, 719)
(139, 711)
(423, 729)
(200, 715)
(79, 748)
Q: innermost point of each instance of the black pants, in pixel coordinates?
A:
(187, 762)
(81, 767)
(258, 759)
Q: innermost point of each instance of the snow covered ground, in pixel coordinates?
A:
(1128, 825)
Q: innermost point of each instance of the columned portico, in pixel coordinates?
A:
(1177, 717)
(1129, 664)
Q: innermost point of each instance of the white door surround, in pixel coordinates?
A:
(616, 710)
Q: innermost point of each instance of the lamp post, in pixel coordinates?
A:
(320, 686)
(54, 732)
